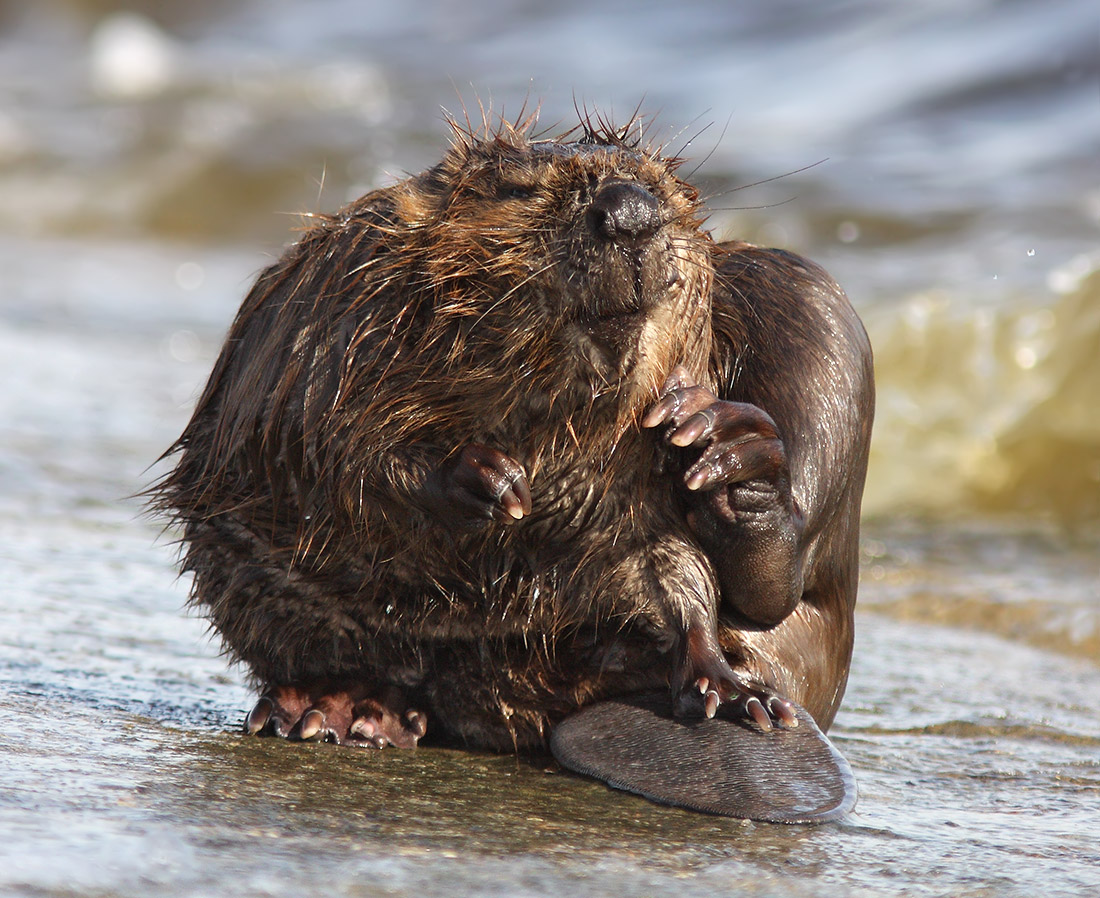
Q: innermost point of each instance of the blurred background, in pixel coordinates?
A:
(940, 157)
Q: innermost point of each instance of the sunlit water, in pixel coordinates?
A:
(143, 170)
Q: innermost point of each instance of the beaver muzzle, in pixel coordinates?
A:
(625, 212)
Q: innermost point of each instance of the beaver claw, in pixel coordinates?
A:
(762, 705)
(480, 483)
(343, 713)
(707, 682)
(742, 699)
(737, 442)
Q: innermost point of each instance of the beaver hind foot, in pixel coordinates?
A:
(339, 711)
(706, 682)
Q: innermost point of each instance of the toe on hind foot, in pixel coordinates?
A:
(346, 713)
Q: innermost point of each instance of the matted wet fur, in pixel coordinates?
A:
(514, 435)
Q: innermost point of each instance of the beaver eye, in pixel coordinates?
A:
(516, 192)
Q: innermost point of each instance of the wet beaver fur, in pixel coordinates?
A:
(514, 435)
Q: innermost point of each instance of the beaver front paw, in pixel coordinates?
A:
(737, 441)
(479, 484)
(343, 712)
(737, 497)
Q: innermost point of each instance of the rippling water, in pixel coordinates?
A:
(943, 160)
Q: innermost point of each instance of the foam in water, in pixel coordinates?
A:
(989, 406)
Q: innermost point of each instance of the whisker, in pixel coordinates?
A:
(788, 174)
(691, 174)
(775, 205)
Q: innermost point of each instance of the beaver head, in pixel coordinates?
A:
(526, 293)
(585, 257)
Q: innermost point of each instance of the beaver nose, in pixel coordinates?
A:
(624, 210)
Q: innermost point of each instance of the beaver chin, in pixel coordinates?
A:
(616, 334)
(614, 338)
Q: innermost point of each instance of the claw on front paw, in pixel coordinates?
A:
(735, 441)
(482, 483)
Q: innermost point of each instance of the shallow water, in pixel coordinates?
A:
(144, 167)
(123, 772)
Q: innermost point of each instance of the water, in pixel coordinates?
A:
(150, 166)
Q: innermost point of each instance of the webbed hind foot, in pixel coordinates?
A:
(706, 681)
(342, 711)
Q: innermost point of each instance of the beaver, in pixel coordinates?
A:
(516, 435)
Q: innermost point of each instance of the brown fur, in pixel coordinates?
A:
(470, 304)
